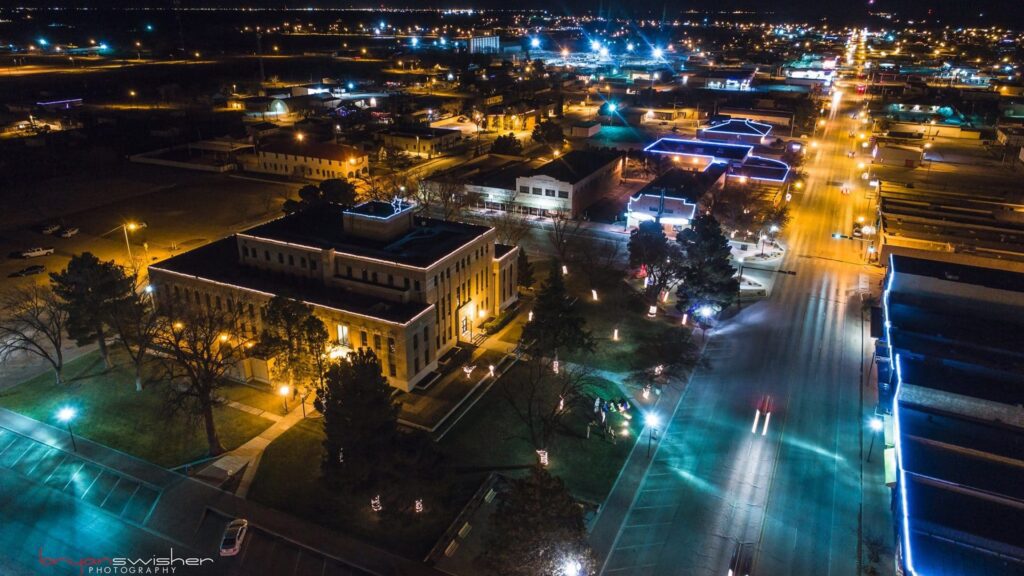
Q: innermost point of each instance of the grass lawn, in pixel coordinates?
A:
(111, 412)
(289, 479)
(252, 396)
(491, 437)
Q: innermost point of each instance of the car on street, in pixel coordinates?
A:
(762, 415)
(234, 536)
(37, 251)
(29, 271)
(49, 228)
(68, 232)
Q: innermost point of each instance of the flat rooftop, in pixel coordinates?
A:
(576, 165)
(956, 334)
(689, 185)
(424, 244)
(715, 150)
(219, 262)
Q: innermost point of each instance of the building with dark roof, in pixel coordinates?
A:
(951, 367)
(421, 140)
(741, 163)
(309, 160)
(672, 198)
(570, 183)
(735, 130)
(409, 288)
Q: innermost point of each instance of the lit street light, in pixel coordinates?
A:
(283, 391)
(652, 421)
(66, 415)
(571, 567)
(875, 424)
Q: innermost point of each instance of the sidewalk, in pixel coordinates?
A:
(247, 457)
(24, 366)
(616, 507)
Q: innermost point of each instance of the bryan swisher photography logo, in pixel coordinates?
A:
(103, 565)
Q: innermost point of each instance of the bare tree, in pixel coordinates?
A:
(202, 345)
(33, 321)
(443, 197)
(136, 323)
(541, 397)
(564, 234)
(601, 261)
(509, 227)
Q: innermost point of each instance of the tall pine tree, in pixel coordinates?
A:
(91, 290)
(557, 324)
(360, 420)
(709, 278)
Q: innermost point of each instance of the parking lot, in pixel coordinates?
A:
(124, 497)
(266, 553)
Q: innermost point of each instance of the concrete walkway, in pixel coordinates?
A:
(616, 507)
(248, 455)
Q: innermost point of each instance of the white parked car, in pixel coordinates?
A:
(37, 251)
(234, 535)
(68, 232)
(49, 228)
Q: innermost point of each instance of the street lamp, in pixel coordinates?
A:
(66, 415)
(875, 424)
(130, 227)
(571, 567)
(283, 391)
(652, 421)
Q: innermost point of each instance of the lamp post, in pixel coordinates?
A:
(283, 391)
(652, 422)
(875, 424)
(126, 228)
(66, 415)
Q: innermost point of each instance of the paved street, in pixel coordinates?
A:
(793, 495)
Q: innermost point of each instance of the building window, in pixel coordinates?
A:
(416, 365)
(348, 271)
(302, 262)
(312, 264)
(550, 193)
(415, 341)
(417, 285)
(280, 258)
(343, 334)
(266, 255)
(563, 194)
(245, 251)
(391, 345)
(376, 342)
(364, 342)
(524, 189)
(391, 369)
(291, 260)
(405, 282)
(537, 192)
(218, 302)
(391, 280)
(374, 277)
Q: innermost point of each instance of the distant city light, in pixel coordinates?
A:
(658, 53)
(534, 42)
(629, 47)
(66, 413)
(595, 45)
(415, 41)
(43, 42)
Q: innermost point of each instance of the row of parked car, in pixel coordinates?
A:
(49, 229)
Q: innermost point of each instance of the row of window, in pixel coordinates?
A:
(545, 192)
(312, 171)
(281, 257)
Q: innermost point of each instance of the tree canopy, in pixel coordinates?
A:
(91, 289)
(557, 324)
(537, 528)
(708, 277)
(360, 420)
(549, 133)
(507, 144)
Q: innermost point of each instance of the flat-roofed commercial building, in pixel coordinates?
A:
(408, 288)
(310, 160)
(672, 198)
(951, 348)
(421, 140)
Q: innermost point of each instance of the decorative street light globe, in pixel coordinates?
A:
(571, 567)
(658, 53)
(705, 311)
(875, 424)
(66, 414)
(652, 420)
(534, 42)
